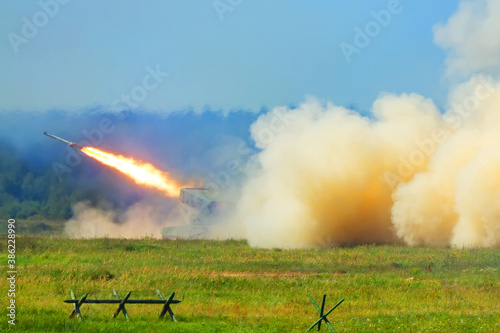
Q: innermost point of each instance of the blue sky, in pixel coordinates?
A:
(259, 55)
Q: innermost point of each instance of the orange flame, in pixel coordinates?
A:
(141, 173)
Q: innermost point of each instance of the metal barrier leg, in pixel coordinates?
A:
(166, 307)
(121, 307)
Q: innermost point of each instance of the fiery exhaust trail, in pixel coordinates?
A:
(141, 173)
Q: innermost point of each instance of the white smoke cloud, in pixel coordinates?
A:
(445, 204)
(322, 176)
(408, 174)
(471, 37)
(140, 220)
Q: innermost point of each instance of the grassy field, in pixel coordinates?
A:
(226, 286)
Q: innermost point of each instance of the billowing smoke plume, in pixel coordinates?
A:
(456, 201)
(322, 172)
(143, 219)
(407, 173)
(330, 176)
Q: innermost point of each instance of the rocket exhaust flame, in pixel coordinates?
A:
(142, 173)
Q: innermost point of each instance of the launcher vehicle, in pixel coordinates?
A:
(201, 208)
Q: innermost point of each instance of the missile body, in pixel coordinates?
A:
(70, 143)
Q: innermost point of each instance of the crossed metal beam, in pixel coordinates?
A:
(322, 315)
(166, 307)
(77, 303)
(121, 306)
(76, 306)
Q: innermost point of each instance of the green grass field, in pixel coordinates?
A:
(226, 286)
